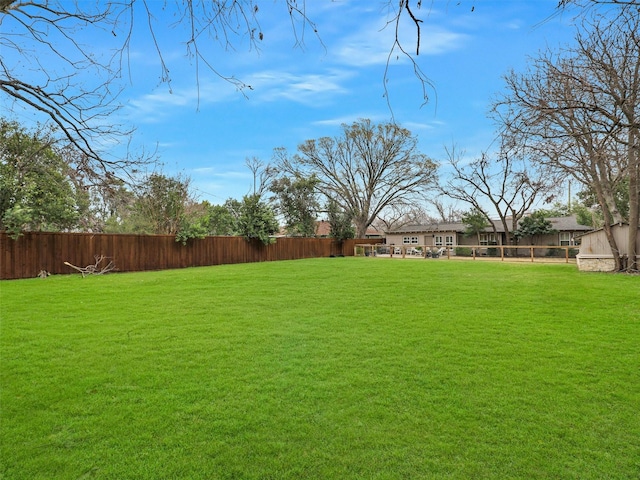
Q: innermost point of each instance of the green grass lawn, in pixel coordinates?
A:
(325, 368)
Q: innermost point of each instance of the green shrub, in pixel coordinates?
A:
(555, 252)
(463, 251)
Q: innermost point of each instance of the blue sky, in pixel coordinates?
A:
(206, 129)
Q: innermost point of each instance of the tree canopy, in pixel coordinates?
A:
(296, 200)
(475, 222)
(36, 188)
(366, 169)
(257, 220)
(533, 225)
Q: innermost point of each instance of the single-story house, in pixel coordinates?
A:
(595, 252)
(567, 232)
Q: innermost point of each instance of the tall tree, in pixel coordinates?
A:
(222, 220)
(534, 225)
(296, 200)
(580, 111)
(475, 223)
(161, 204)
(340, 222)
(447, 213)
(256, 219)
(37, 191)
(112, 206)
(366, 169)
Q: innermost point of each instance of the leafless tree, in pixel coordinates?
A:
(580, 111)
(447, 213)
(506, 185)
(262, 175)
(366, 169)
(399, 215)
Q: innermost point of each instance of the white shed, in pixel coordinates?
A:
(595, 253)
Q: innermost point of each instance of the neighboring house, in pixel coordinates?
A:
(567, 232)
(323, 229)
(595, 252)
(373, 232)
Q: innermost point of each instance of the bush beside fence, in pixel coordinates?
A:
(36, 252)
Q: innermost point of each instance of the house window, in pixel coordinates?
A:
(414, 240)
(448, 240)
(437, 240)
(487, 239)
(565, 239)
(406, 240)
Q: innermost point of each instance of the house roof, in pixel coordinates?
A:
(432, 227)
(562, 224)
(374, 232)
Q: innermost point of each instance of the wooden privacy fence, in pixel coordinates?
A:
(35, 252)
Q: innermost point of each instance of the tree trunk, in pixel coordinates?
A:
(507, 237)
(608, 220)
(606, 199)
(361, 229)
(634, 202)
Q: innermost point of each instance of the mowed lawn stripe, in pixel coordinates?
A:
(323, 368)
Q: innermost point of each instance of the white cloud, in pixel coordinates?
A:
(266, 86)
(372, 44)
(349, 119)
(212, 172)
(514, 25)
(309, 88)
(415, 126)
(157, 106)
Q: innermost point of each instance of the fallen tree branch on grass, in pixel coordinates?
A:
(96, 268)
